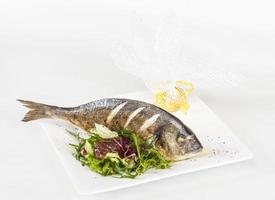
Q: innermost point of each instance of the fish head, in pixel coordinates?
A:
(177, 142)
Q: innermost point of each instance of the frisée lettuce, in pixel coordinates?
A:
(120, 154)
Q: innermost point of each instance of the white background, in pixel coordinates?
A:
(61, 49)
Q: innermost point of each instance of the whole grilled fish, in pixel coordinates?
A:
(174, 140)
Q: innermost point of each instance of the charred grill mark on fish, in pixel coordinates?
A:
(149, 122)
(139, 119)
(173, 139)
(87, 115)
(119, 121)
(132, 115)
(114, 112)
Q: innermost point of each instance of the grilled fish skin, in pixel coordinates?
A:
(173, 139)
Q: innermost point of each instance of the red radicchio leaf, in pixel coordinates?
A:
(84, 152)
(121, 145)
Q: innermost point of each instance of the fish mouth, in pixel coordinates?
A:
(189, 148)
(192, 146)
(176, 152)
(189, 143)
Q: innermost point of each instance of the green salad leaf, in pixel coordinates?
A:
(114, 159)
(103, 131)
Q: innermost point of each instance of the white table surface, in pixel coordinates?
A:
(61, 49)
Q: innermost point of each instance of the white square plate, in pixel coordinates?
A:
(221, 147)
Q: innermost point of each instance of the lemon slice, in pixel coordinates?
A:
(173, 96)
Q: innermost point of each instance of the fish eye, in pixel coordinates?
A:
(180, 139)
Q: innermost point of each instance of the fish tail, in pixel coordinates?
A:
(37, 110)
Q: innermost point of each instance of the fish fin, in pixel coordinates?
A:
(38, 110)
